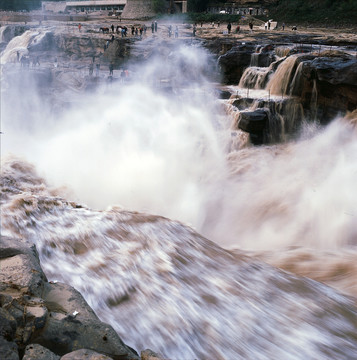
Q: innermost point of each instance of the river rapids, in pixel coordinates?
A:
(178, 232)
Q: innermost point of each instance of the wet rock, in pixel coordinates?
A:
(62, 298)
(35, 320)
(84, 354)
(55, 316)
(223, 94)
(7, 325)
(150, 355)
(46, 43)
(72, 325)
(64, 334)
(328, 85)
(16, 310)
(38, 352)
(8, 349)
(234, 62)
(253, 121)
(242, 103)
(20, 267)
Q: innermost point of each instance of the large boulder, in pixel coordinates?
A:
(84, 354)
(47, 320)
(253, 121)
(20, 267)
(329, 85)
(38, 352)
(234, 62)
(8, 347)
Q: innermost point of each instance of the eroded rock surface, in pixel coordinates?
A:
(47, 320)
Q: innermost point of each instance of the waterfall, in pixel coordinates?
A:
(20, 44)
(281, 80)
(313, 103)
(254, 77)
(2, 32)
(254, 59)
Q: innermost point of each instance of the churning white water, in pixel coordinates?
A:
(163, 150)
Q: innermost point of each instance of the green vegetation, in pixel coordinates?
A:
(329, 12)
(16, 5)
(197, 5)
(159, 6)
(207, 18)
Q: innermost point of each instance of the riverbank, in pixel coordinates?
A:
(307, 33)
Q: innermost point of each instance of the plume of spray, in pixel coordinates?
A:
(159, 145)
(150, 145)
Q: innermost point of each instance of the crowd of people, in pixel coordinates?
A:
(137, 31)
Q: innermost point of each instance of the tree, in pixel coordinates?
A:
(197, 5)
(16, 5)
(159, 6)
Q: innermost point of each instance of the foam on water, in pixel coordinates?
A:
(163, 286)
(165, 151)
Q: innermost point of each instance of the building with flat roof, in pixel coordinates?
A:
(95, 5)
(116, 6)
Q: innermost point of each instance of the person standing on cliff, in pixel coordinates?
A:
(79, 27)
(229, 27)
(112, 27)
(155, 26)
(152, 27)
(251, 26)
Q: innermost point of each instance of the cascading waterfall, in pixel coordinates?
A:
(3, 29)
(157, 281)
(281, 82)
(19, 45)
(254, 77)
(284, 113)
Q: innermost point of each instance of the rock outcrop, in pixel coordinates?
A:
(138, 9)
(45, 320)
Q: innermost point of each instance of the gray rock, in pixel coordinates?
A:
(66, 330)
(7, 325)
(20, 267)
(38, 352)
(62, 298)
(55, 316)
(234, 62)
(8, 349)
(85, 354)
(16, 310)
(150, 355)
(253, 121)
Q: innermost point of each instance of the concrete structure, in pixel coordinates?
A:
(54, 6)
(181, 6)
(116, 6)
(237, 8)
(136, 8)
